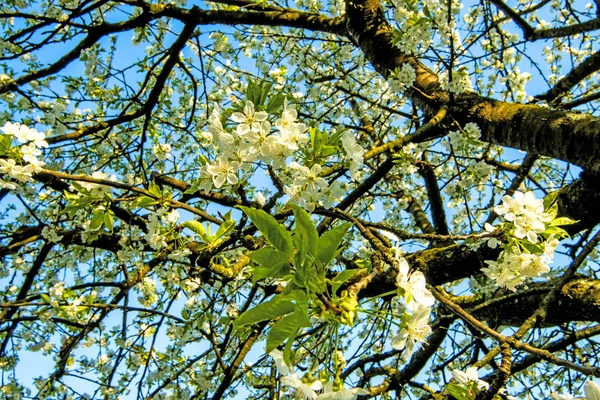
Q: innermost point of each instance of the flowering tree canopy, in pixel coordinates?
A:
(300, 199)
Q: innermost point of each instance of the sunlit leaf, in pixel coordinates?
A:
(274, 232)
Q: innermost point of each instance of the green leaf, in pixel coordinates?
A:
(307, 277)
(459, 392)
(532, 248)
(286, 328)
(273, 264)
(265, 88)
(108, 221)
(80, 188)
(553, 210)
(143, 202)
(5, 146)
(427, 12)
(273, 271)
(45, 298)
(364, 263)
(155, 190)
(224, 229)
(562, 221)
(327, 150)
(265, 312)
(257, 92)
(225, 114)
(297, 296)
(301, 314)
(315, 282)
(335, 138)
(305, 231)
(198, 228)
(287, 351)
(275, 104)
(283, 329)
(556, 231)
(268, 257)
(97, 220)
(70, 196)
(317, 139)
(192, 189)
(274, 232)
(342, 277)
(329, 243)
(251, 93)
(550, 199)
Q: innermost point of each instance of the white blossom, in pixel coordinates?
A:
(282, 367)
(224, 171)
(162, 151)
(415, 329)
(25, 134)
(470, 375)
(344, 394)
(592, 391)
(249, 120)
(303, 390)
(21, 173)
(413, 287)
(402, 78)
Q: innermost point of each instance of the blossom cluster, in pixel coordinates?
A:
(307, 189)
(526, 213)
(471, 385)
(460, 81)
(417, 301)
(96, 189)
(25, 134)
(148, 293)
(162, 151)
(156, 236)
(414, 32)
(402, 78)
(32, 143)
(307, 389)
(469, 375)
(524, 256)
(460, 139)
(255, 140)
(417, 23)
(354, 152)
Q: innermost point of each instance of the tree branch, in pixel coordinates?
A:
(587, 67)
(568, 136)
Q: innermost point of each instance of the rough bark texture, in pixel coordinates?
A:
(578, 300)
(568, 136)
(580, 201)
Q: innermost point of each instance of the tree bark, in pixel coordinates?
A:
(569, 136)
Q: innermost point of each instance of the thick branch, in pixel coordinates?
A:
(459, 261)
(284, 17)
(569, 30)
(579, 300)
(568, 136)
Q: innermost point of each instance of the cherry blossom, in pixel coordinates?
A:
(249, 120)
(224, 171)
(414, 330)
